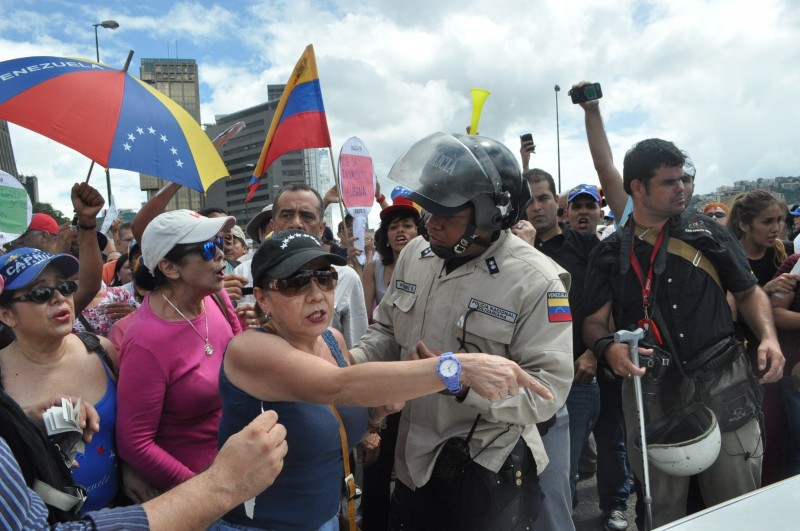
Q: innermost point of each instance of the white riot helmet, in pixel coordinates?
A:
(684, 444)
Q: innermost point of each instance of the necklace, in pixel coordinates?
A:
(209, 350)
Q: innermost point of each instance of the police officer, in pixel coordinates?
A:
(469, 285)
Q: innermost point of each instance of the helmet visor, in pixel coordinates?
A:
(444, 174)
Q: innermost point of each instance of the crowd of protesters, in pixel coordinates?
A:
(488, 307)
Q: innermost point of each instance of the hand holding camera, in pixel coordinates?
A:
(585, 92)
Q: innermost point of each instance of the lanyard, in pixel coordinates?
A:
(647, 285)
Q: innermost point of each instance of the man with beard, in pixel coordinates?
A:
(641, 279)
(613, 487)
(569, 247)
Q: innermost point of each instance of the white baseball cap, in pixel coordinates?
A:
(178, 227)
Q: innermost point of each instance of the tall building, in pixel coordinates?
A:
(31, 184)
(178, 80)
(7, 162)
(241, 154)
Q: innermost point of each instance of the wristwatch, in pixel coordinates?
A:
(449, 370)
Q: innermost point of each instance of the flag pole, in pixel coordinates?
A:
(341, 197)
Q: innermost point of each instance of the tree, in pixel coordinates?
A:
(47, 208)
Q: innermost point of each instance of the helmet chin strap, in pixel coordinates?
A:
(467, 239)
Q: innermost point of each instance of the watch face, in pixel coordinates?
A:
(448, 368)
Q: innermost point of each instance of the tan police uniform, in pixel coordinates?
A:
(508, 301)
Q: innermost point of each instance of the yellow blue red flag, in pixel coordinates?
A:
(299, 121)
(558, 310)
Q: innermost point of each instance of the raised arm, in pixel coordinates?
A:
(154, 206)
(609, 175)
(87, 203)
(368, 282)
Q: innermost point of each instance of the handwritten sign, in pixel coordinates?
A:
(357, 186)
(15, 208)
(356, 175)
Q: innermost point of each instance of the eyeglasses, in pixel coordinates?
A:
(209, 249)
(300, 282)
(44, 293)
(717, 214)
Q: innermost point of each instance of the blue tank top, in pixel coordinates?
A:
(99, 470)
(307, 492)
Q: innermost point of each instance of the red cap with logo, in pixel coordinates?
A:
(44, 223)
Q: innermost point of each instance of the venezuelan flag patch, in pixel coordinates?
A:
(558, 307)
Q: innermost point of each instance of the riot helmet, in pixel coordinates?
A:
(685, 443)
(448, 173)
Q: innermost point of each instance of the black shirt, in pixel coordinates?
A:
(694, 308)
(570, 250)
(765, 267)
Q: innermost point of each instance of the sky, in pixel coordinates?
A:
(718, 78)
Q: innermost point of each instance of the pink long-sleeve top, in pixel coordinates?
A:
(168, 393)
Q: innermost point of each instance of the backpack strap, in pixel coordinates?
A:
(71, 499)
(86, 324)
(92, 344)
(685, 250)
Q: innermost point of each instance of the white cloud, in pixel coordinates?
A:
(718, 78)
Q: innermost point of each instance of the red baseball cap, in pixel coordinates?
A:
(44, 223)
(401, 204)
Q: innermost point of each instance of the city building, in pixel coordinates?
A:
(240, 154)
(31, 184)
(7, 162)
(178, 80)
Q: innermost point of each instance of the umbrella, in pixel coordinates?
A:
(112, 117)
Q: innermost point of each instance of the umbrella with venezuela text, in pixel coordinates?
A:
(110, 116)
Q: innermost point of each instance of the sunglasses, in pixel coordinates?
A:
(717, 214)
(300, 282)
(209, 249)
(44, 293)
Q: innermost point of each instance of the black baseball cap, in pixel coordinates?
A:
(284, 253)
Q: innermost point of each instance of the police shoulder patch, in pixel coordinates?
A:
(558, 307)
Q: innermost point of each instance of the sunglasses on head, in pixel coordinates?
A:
(44, 293)
(718, 214)
(300, 282)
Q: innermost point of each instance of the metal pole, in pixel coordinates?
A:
(558, 139)
(108, 187)
(109, 24)
(96, 43)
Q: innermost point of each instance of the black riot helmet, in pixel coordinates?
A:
(448, 172)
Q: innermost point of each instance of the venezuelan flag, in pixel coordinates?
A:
(558, 307)
(299, 121)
